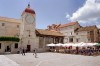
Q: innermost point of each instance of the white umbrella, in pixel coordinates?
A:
(95, 43)
(82, 44)
(52, 44)
(59, 44)
(76, 45)
(67, 44)
(91, 44)
(85, 45)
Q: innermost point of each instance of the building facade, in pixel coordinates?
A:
(99, 35)
(74, 33)
(25, 30)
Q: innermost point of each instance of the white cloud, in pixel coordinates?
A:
(90, 12)
(68, 16)
(98, 26)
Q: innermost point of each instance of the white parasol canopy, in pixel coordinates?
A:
(59, 44)
(91, 44)
(52, 44)
(67, 44)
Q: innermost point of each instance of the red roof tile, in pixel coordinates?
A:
(49, 33)
(69, 24)
(28, 10)
(87, 28)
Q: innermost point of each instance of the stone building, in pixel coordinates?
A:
(87, 34)
(47, 37)
(99, 35)
(69, 31)
(74, 33)
(9, 27)
(25, 30)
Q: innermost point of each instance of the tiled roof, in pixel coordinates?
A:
(48, 32)
(10, 20)
(69, 24)
(87, 28)
(28, 10)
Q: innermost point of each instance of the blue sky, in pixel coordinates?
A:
(47, 11)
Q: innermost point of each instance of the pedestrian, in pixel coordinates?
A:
(23, 51)
(35, 52)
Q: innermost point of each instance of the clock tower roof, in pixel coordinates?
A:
(28, 10)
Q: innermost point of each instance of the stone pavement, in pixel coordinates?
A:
(4, 61)
(54, 59)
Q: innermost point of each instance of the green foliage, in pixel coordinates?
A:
(98, 44)
(15, 39)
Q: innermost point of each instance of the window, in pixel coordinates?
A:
(0, 45)
(91, 31)
(29, 35)
(88, 32)
(3, 24)
(76, 33)
(70, 39)
(89, 39)
(77, 40)
(16, 45)
(17, 26)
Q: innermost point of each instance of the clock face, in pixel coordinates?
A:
(30, 19)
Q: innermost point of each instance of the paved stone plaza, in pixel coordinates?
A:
(49, 59)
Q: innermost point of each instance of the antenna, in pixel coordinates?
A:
(29, 5)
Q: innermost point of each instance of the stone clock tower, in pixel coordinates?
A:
(28, 27)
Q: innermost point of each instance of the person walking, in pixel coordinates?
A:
(23, 51)
(35, 52)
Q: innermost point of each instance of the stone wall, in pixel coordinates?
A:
(11, 45)
(9, 29)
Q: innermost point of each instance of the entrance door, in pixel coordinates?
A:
(28, 47)
(8, 49)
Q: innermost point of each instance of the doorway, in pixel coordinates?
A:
(28, 48)
(7, 49)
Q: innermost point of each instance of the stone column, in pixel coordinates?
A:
(44, 43)
(60, 40)
(53, 39)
